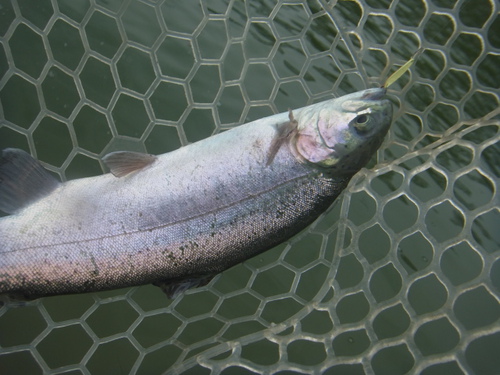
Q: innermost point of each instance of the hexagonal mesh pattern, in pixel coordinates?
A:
(401, 276)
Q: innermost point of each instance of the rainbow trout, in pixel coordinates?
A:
(177, 219)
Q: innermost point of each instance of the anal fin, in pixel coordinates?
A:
(23, 180)
(175, 288)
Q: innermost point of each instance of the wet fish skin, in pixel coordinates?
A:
(194, 212)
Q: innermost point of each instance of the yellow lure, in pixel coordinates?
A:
(398, 73)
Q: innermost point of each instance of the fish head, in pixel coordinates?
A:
(342, 134)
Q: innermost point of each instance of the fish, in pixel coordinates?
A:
(178, 219)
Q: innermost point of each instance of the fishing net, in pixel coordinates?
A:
(401, 276)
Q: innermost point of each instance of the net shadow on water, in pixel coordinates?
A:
(401, 276)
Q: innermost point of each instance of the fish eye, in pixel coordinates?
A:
(361, 119)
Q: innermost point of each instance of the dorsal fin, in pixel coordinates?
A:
(121, 163)
(23, 180)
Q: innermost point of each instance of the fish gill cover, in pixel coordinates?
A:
(401, 276)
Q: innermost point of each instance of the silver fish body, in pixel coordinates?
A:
(192, 213)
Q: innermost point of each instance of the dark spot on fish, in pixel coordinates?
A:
(89, 284)
(257, 144)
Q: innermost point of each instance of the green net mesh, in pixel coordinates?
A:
(401, 276)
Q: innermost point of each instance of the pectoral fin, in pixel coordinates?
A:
(121, 163)
(23, 180)
(175, 288)
(283, 132)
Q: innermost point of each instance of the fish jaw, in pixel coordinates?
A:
(344, 133)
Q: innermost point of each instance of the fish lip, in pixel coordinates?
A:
(361, 100)
(374, 93)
